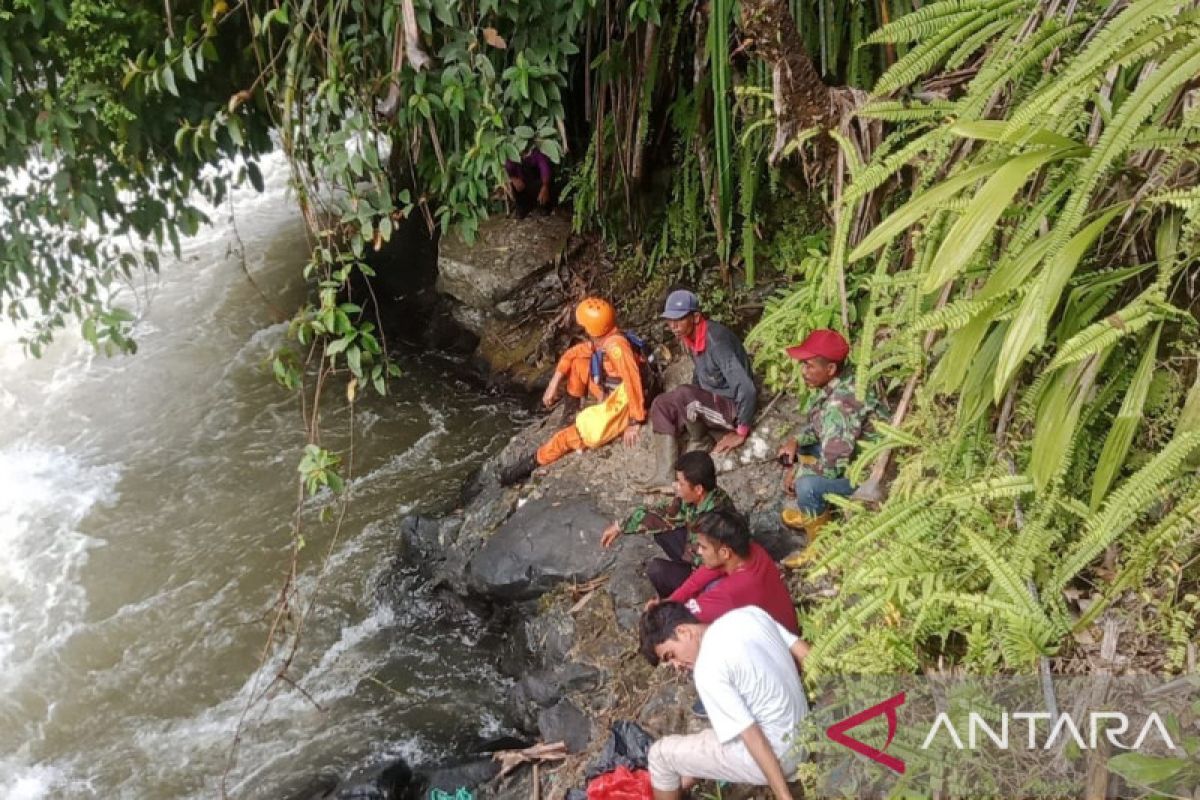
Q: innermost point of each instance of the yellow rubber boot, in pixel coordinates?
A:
(811, 525)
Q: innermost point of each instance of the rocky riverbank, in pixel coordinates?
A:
(528, 558)
(531, 556)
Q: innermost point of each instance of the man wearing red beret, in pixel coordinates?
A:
(835, 420)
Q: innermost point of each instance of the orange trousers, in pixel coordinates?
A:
(579, 384)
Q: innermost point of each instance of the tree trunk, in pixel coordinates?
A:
(801, 99)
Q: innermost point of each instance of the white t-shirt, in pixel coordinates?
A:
(745, 674)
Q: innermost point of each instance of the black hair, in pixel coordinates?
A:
(698, 469)
(658, 625)
(726, 529)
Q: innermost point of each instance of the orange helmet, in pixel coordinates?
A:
(596, 316)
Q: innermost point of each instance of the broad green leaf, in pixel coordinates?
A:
(1120, 435)
(1057, 418)
(168, 79)
(1029, 326)
(994, 130)
(952, 368)
(1189, 417)
(976, 396)
(919, 207)
(978, 221)
(189, 69)
(1146, 771)
(1012, 273)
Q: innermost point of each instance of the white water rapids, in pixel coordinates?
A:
(145, 506)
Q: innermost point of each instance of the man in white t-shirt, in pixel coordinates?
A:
(746, 668)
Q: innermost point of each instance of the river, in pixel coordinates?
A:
(145, 508)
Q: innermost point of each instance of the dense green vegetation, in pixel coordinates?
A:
(90, 183)
(1030, 299)
(1009, 238)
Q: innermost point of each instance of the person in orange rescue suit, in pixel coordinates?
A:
(607, 368)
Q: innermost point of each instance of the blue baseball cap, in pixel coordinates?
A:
(680, 303)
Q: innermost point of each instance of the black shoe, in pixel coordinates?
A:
(519, 470)
(698, 710)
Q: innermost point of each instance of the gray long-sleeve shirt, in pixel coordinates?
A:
(723, 368)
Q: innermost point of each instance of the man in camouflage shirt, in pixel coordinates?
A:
(835, 421)
(696, 493)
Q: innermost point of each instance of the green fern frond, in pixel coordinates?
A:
(1144, 553)
(1005, 579)
(1024, 639)
(931, 52)
(1073, 507)
(1176, 141)
(1176, 71)
(901, 111)
(972, 494)
(1180, 198)
(973, 603)
(930, 19)
(1101, 336)
(854, 620)
(879, 171)
(1086, 69)
(976, 41)
(955, 315)
(1124, 506)
(1000, 72)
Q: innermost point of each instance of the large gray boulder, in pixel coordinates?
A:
(505, 255)
(545, 542)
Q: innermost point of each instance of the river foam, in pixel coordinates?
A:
(45, 493)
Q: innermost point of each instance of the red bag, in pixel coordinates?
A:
(621, 784)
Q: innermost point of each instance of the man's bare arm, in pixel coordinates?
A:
(760, 750)
(799, 652)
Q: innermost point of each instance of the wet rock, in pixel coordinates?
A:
(320, 787)
(546, 687)
(667, 709)
(551, 635)
(466, 775)
(564, 722)
(776, 539)
(390, 781)
(545, 542)
(506, 253)
(509, 351)
(470, 319)
(628, 585)
(420, 537)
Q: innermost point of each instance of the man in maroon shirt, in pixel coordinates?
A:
(529, 182)
(736, 572)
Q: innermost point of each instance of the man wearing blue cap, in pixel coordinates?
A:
(721, 396)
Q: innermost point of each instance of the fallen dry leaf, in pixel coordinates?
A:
(494, 39)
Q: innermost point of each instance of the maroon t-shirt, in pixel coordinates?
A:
(756, 583)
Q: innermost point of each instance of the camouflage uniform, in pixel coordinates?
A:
(675, 514)
(835, 420)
